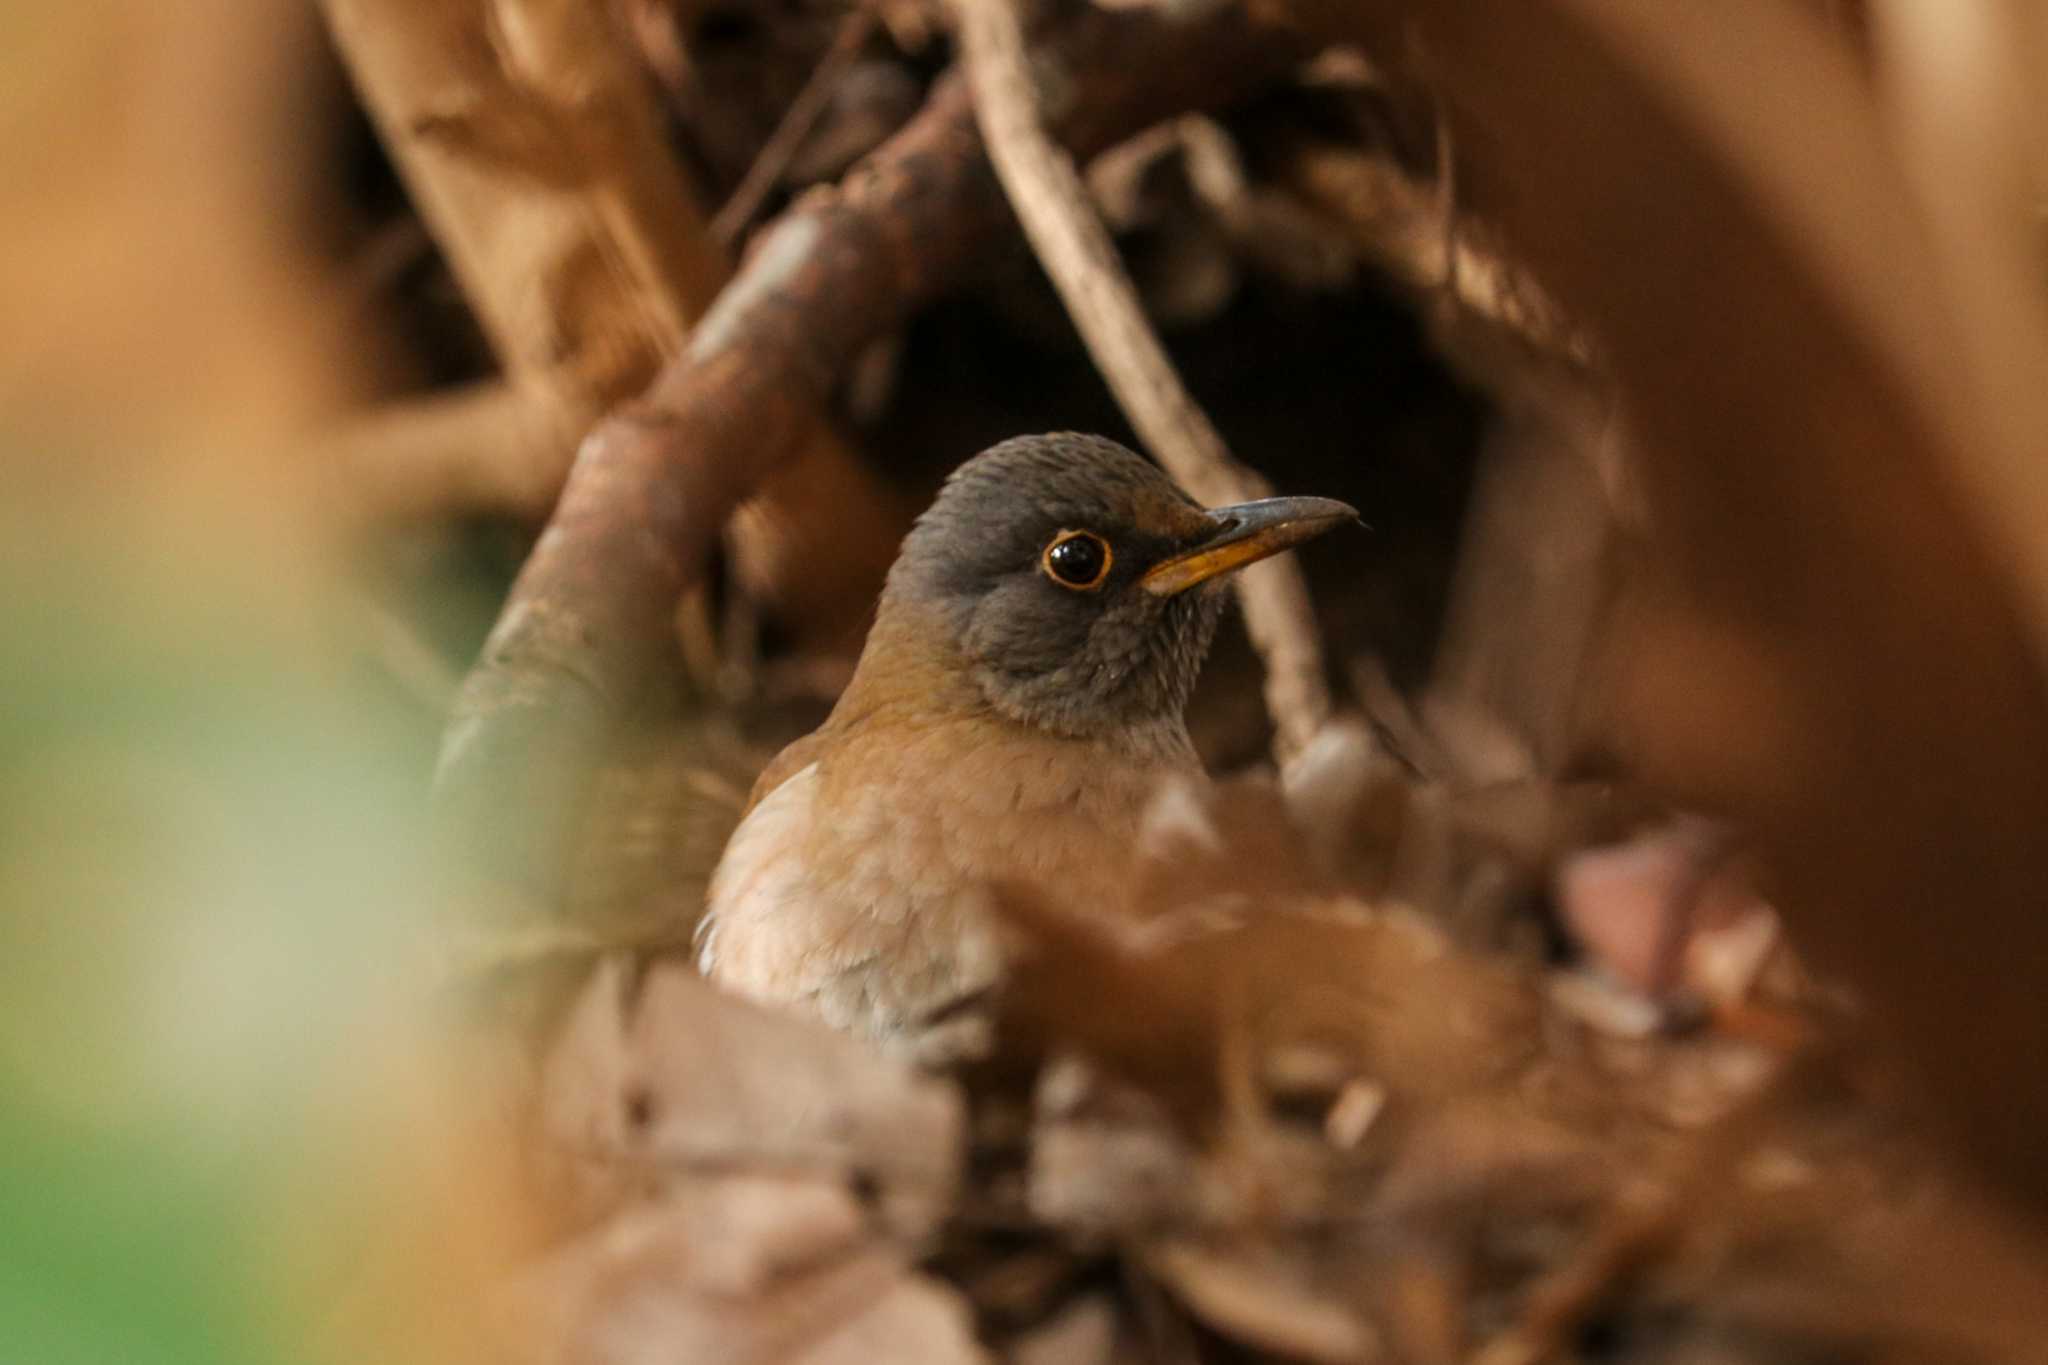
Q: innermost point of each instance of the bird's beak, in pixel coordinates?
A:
(1245, 533)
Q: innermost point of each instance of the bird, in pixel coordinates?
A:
(1018, 700)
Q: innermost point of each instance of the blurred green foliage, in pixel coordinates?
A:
(210, 871)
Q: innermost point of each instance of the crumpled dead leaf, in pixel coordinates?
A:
(678, 1077)
(740, 1270)
(751, 1187)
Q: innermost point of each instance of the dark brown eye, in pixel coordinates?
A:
(1077, 559)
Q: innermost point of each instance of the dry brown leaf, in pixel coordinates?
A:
(1082, 1333)
(680, 1077)
(663, 1284)
(1383, 988)
(1264, 1298)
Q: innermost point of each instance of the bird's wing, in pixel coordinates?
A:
(797, 755)
(751, 844)
(750, 936)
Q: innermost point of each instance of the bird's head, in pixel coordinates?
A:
(1075, 582)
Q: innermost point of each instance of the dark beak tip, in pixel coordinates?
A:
(1271, 511)
(1318, 515)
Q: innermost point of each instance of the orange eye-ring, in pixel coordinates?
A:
(1077, 559)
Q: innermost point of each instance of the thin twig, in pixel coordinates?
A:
(1447, 199)
(1050, 201)
(789, 135)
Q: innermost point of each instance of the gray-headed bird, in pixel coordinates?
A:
(1018, 701)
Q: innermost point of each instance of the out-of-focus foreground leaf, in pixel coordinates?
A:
(206, 859)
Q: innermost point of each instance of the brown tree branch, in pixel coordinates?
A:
(586, 627)
(1487, 310)
(1053, 205)
(534, 154)
(534, 151)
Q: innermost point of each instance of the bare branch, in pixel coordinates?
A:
(577, 243)
(1486, 305)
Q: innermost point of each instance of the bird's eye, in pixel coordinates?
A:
(1077, 559)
